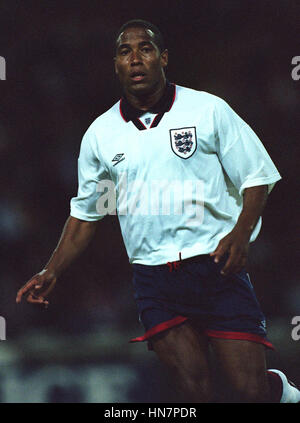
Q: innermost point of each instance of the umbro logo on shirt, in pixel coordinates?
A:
(118, 158)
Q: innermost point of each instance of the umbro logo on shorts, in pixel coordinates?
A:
(118, 158)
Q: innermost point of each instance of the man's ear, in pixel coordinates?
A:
(164, 58)
(115, 66)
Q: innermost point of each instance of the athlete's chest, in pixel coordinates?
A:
(175, 144)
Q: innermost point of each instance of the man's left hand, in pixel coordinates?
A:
(236, 245)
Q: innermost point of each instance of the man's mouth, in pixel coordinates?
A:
(137, 76)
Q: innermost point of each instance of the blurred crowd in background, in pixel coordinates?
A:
(59, 78)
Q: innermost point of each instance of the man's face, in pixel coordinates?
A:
(138, 62)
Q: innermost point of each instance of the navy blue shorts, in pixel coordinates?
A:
(194, 289)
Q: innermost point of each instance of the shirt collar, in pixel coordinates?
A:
(163, 105)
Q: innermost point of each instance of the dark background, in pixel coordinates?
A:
(59, 78)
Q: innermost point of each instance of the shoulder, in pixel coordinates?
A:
(101, 127)
(198, 98)
(106, 120)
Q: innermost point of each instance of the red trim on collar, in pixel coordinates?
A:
(142, 123)
(173, 100)
(120, 108)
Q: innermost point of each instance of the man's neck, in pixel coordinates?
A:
(145, 102)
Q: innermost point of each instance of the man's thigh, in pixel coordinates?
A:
(182, 343)
(186, 353)
(243, 364)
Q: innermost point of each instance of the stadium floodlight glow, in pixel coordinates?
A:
(2, 68)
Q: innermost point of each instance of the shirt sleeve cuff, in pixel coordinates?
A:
(89, 218)
(270, 181)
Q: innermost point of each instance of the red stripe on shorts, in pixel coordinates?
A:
(239, 335)
(160, 328)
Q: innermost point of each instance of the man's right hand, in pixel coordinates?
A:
(37, 288)
(75, 237)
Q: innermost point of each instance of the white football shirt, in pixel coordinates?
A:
(176, 183)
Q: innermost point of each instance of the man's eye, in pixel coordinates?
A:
(123, 52)
(146, 49)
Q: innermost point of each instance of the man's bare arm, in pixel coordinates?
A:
(74, 239)
(236, 243)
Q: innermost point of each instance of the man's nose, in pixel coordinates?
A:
(135, 57)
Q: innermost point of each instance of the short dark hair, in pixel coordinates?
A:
(158, 38)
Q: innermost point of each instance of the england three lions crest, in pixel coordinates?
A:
(183, 141)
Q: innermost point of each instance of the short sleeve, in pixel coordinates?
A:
(242, 154)
(90, 172)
